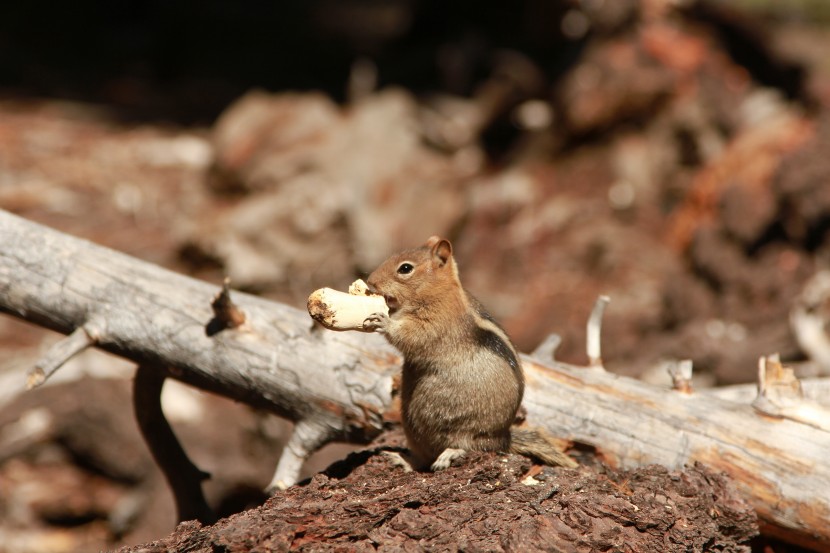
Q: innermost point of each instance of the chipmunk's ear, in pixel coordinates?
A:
(441, 249)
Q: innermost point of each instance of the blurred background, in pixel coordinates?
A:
(669, 154)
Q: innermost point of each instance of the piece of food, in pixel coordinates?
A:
(338, 310)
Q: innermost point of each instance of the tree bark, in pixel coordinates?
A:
(485, 503)
(338, 385)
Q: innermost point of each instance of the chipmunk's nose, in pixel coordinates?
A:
(392, 303)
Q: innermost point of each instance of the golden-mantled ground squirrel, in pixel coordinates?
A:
(462, 377)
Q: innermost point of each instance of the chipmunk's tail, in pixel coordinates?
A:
(534, 443)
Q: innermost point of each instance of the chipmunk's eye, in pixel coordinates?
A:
(405, 268)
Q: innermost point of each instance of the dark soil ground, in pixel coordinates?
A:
(356, 505)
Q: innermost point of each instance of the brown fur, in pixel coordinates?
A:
(462, 379)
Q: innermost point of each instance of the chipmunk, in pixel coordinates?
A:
(462, 377)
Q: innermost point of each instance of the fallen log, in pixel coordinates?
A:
(337, 386)
(333, 386)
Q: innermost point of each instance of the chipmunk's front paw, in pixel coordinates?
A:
(445, 459)
(376, 322)
(399, 460)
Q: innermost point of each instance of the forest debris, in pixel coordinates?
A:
(810, 317)
(184, 477)
(82, 338)
(780, 395)
(594, 332)
(632, 422)
(616, 81)
(681, 375)
(546, 350)
(225, 313)
(816, 390)
(308, 436)
(750, 160)
(315, 173)
(263, 139)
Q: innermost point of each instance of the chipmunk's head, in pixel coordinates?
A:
(412, 279)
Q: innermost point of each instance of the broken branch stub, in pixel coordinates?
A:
(80, 339)
(780, 395)
(594, 332)
(681, 375)
(225, 313)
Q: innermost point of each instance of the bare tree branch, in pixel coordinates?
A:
(81, 338)
(184, 478)
(594, 332)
